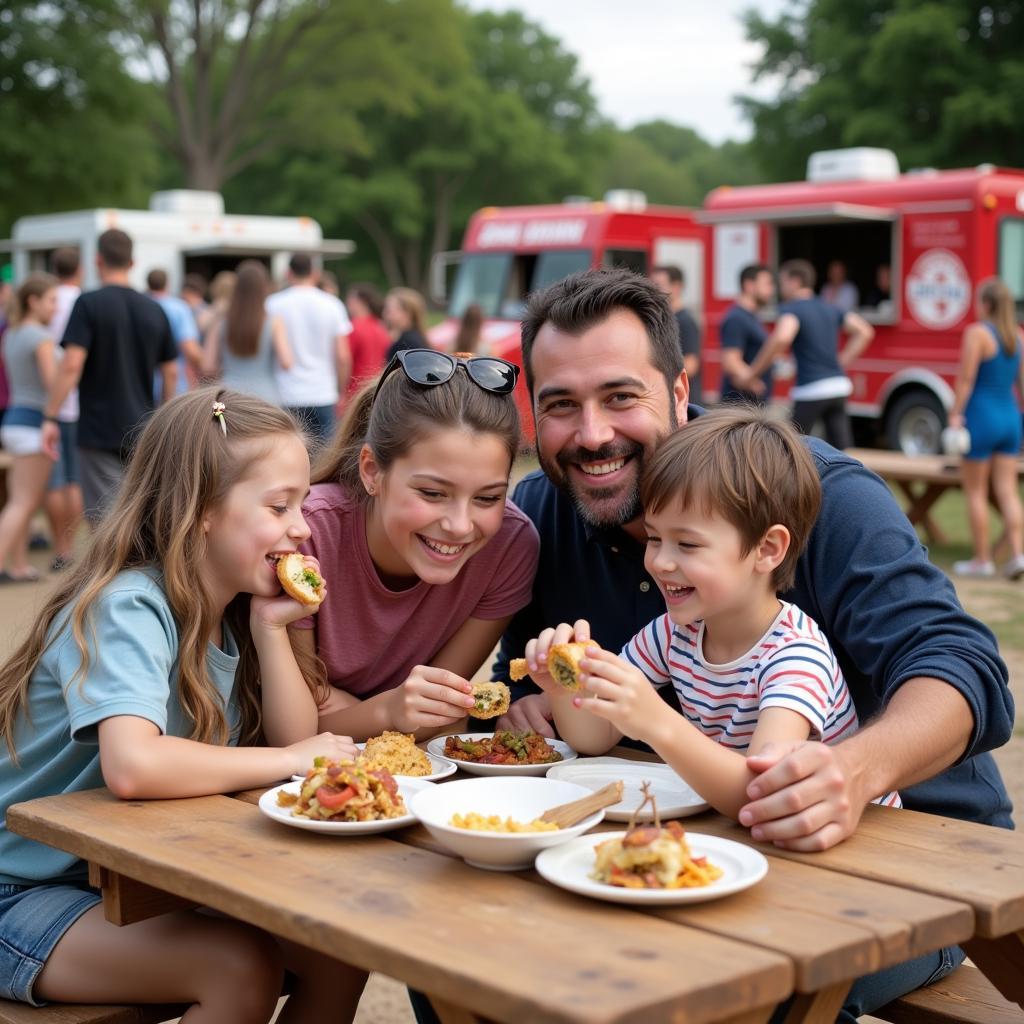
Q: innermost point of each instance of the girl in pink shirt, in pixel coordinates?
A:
(425, 557)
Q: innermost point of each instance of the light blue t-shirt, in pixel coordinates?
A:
(183, 327)
(133, 670)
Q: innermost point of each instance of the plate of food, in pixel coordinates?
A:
(343, 797)
(675, 798)
(652, 863)
(397, 753)
(504, 752)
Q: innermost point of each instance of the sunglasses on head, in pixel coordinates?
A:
(428, 368)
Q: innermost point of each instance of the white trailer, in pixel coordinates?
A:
(183, 231)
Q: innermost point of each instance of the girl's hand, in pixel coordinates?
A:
(337, 748)
(430, 698)
(620, 694)
(537, 651)
(270, 613)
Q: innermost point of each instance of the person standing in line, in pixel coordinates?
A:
(369, 339)
(317, 327)
(810, 328)
(248, 346)
(838, 291)
(63, 502)
(29, 363)
(741, 336)
(114, 342)
(990, 364)
(671, 281)
(183, 327)
(405, 314)
(193, 292)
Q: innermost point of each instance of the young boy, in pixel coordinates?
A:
(729, 504)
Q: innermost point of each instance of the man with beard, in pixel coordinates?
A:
(602, 362)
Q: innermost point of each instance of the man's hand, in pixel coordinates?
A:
(50, 439)
(807, 796)
(531, 713)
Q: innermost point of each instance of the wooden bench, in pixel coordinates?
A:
(964, 997)
(70, 1013)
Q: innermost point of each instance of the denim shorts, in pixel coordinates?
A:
(33, 919)
(65, 469)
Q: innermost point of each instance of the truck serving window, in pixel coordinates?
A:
(1011, 258)
(498, 282)
(631, 259)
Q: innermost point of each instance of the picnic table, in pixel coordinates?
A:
(510, 947)
(922, 479)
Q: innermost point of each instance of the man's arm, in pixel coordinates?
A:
(861, 334)
(778, 342)
(65, 380)
(737, 372)
(168, 381)
(343, 357)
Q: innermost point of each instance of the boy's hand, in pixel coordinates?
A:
(270, 613)
(537, 651)
(620, 694)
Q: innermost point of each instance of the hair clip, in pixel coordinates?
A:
(218, 414)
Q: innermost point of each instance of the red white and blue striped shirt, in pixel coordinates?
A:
(792, 666)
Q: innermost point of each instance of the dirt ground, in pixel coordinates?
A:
(385, 1001)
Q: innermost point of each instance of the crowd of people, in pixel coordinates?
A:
(689, 544)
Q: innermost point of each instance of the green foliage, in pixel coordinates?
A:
(74, 124)
(938, 81)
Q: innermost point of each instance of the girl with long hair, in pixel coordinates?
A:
(990, 365)
(143, 672)
(428, 559)
(247, 345)
(405, 314)
(31, 363)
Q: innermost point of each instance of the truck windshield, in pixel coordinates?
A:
(498, 282)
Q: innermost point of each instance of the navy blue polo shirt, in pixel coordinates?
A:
(889, 614)
(741, 329)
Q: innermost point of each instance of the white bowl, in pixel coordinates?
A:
(520, 798)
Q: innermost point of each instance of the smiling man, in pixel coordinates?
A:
(605, 374)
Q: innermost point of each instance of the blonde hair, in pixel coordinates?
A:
(412, 303)
(35, 286)
(997, 298)
(182, 467)
(742, 465)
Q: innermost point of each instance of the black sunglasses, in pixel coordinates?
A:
(428, 368)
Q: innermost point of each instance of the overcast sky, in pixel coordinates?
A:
(682, 60)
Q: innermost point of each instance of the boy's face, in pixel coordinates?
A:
(698, 563)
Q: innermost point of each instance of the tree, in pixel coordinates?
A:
(937, 82)
(73, 122)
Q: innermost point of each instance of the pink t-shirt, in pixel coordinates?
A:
(370, 637)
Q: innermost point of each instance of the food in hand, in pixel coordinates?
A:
(564, 664)
(397, 753)
(490, 699)
(494, 823)
(518, 669)
(504, 747)
(299, 580)
(345, 791)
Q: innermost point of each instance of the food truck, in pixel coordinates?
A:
(512, 251)
(184, 231)
(940, 233)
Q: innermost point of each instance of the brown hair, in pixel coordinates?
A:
(412, 302)
(246, 313)
(369, 297)
(65, 262)
(468, 337)
(35, 286)
(115, 249)
(997, 298)
(300, 265)
(195, 283)
(182, 466)
(743, 465)
(156, 280)
(583, 300)
(800, 270)
(222, 287)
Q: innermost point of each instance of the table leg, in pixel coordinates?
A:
(919, 505)
(449, 1013)
(1002, 962)
(126, 901)
(817, 1007)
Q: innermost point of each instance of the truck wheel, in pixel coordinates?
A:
(914, 424)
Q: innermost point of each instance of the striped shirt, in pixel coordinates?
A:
(792, 666)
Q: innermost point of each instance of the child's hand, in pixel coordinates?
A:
(430, 698)
(278, 612)
(537, 652)
(337, 748)
(620, 694)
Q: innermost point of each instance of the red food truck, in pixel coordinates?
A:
(939, 232)
(509, 252)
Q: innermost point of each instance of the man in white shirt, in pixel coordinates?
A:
(318, 328)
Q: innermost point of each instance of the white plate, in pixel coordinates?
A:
(408, 788)
(440, 767)
(436, 748)
(675, 798)
(569, 866)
